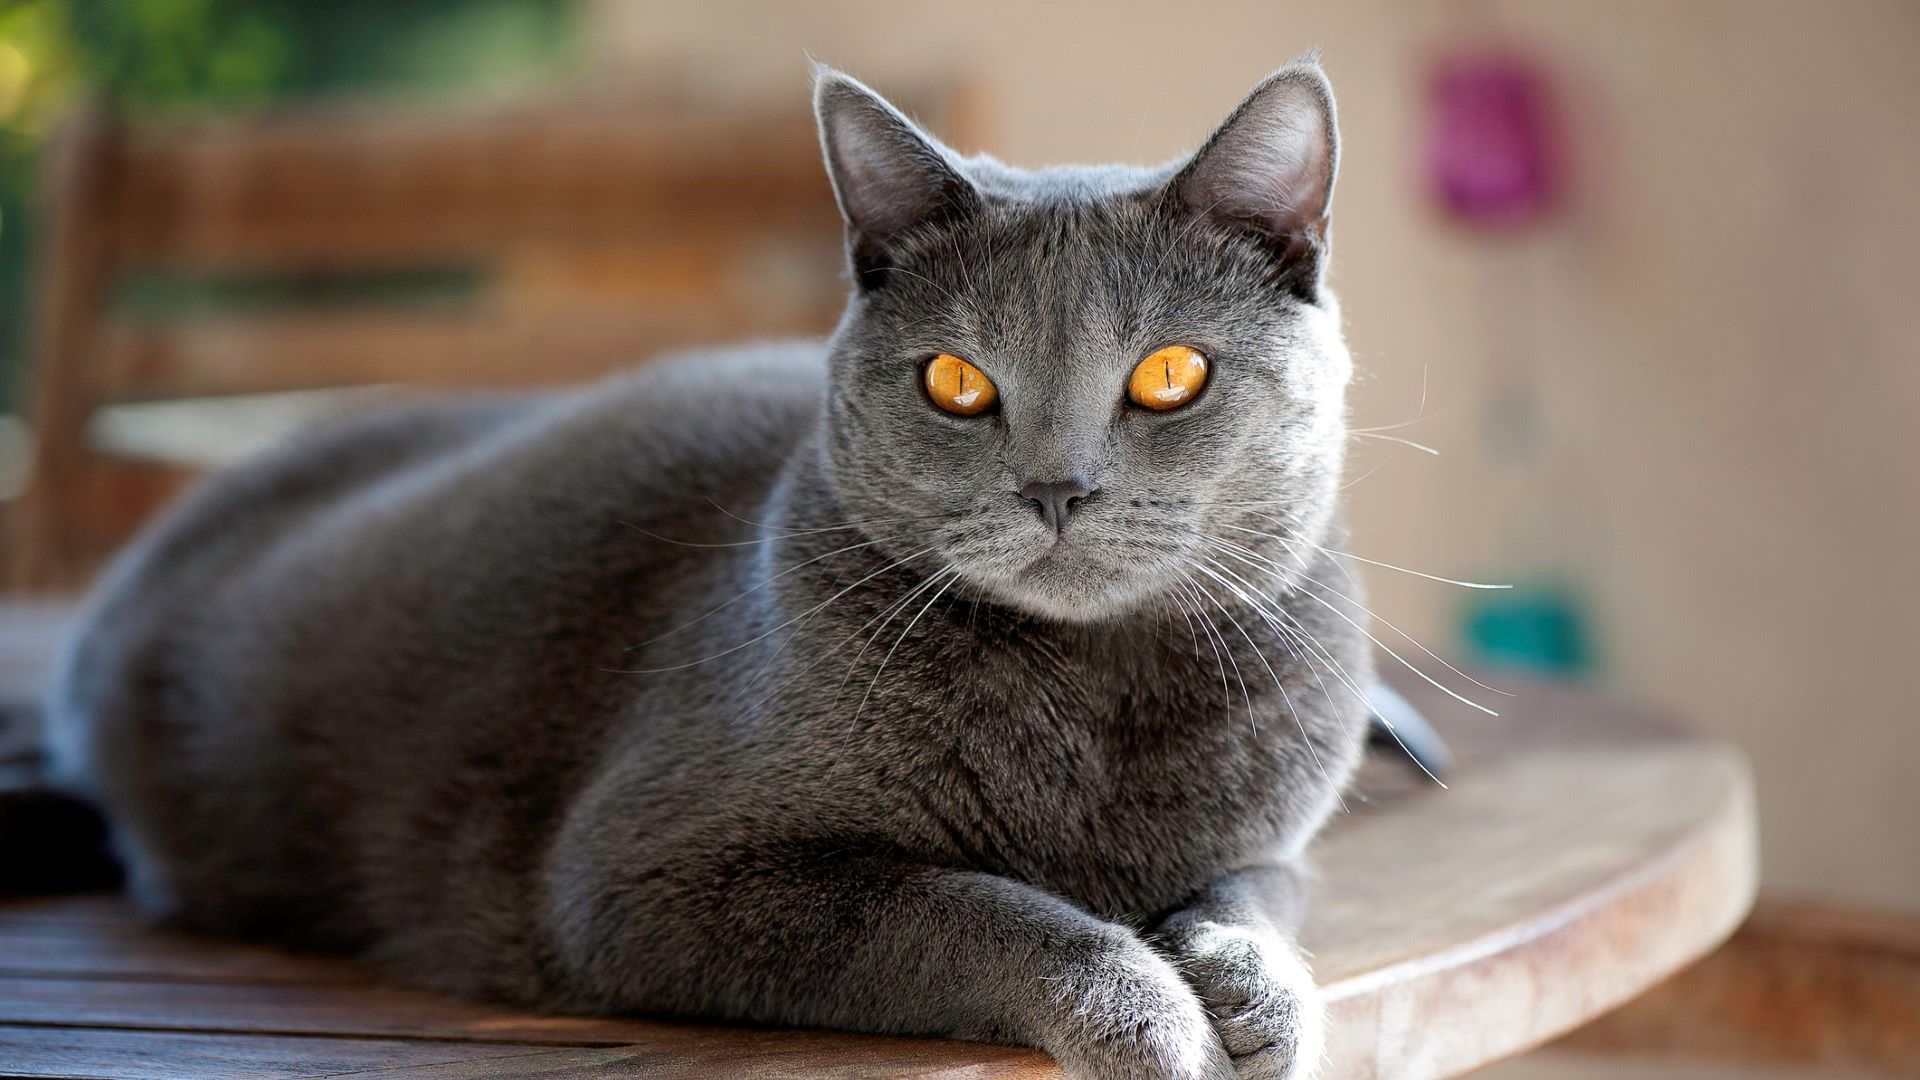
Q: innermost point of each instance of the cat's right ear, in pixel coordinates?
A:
(1269, 171)
(888, 175)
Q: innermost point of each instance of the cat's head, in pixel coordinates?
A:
(1076, 386)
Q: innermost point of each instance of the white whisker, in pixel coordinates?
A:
(1422, 447)
(715, 503)
(1404, 662)
(769, 633)
(1248, 698)
(769, 539)
(1420, 413)
(1338, 670)
(1363, 476)
(1212, 633)
(1286, 698)
(756, 588)
(1389, 624)
(952, 575)
(1371, 562)
(884, 612)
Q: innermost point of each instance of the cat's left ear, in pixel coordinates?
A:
(888, 175)
(1269, 170)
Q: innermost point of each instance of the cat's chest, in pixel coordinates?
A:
(1116, 797)
(1118, 767)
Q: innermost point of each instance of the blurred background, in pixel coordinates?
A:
(1630, 287)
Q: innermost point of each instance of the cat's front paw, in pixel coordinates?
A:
(1126, 1013)
(1259, 994)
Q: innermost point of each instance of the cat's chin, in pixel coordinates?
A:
(1067, 609)
(1064, 588)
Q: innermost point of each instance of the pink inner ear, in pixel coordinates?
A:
(889, 175)
(876, 168)
(1271, 164)
(1299, 177)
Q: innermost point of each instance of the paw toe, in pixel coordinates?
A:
(1269, 1025)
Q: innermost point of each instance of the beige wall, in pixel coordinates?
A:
(1724, 328)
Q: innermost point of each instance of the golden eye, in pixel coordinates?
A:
(959, 387)
(1168, 378)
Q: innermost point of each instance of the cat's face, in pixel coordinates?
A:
(1087, 487)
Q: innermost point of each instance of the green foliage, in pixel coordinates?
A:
(36, 66)
(182, 51)
(36, 76)
(145, 56)
(172, 53)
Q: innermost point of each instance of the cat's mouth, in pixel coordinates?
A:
(1064, 564)
(1070, 584)
(1067, 556)
(1077, 574)
(1060, 548)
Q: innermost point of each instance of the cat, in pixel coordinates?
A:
(978, 672)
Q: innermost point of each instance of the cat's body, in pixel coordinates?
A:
(739, 687)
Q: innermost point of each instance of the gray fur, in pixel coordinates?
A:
(625, 699)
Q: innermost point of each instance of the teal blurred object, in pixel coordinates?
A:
(1540, 628)
(1494, 161)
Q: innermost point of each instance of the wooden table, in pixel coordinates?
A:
(1584, 851)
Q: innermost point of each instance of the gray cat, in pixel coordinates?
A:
(979, 673)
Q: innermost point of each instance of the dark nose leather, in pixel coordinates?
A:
(1054, 499)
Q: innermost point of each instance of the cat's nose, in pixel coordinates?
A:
(1054, 499)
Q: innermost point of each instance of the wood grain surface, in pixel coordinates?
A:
(1821, 989)
(1583, 851)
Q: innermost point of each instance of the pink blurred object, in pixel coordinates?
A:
(1492, 151)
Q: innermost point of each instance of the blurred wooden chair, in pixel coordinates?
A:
(512, 246)
(1804, 989)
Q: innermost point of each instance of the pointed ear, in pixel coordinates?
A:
(887, 174)
(1269, 170)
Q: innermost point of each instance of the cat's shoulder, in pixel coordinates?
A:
(777, 376)
(735, 404)
(735, 411)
